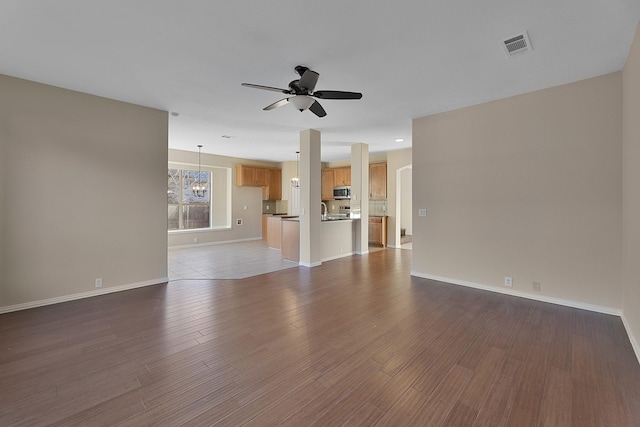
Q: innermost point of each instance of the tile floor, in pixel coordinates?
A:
(226, 261)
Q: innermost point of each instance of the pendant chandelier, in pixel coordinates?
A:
(295, 181)
(199, 189)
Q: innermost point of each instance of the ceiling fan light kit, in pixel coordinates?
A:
(303, 93)
(301, 102)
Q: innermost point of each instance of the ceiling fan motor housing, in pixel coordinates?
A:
(295, 87)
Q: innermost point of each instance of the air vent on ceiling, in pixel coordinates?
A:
(517, 44)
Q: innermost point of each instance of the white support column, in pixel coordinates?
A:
(310, 197)
(360, 195)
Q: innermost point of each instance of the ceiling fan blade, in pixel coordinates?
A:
(317, 109)
(273, 89)
(276, 104)
(336, 94)
(308, 80)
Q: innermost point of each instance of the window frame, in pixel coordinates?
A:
(225, 203)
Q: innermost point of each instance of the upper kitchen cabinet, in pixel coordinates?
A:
(274, 189)
(378, 181)
(334, 177)
(262, 176)
(328, 182)
(269, 179)
(342, 176)
(250, 176)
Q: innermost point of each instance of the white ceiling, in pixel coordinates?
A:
(409, 58)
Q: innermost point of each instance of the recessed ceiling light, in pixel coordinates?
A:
(227, 136)
(175, 113)
(399, 140)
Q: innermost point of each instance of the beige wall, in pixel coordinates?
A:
(631, 191)
(241, 197)
(83, 194)
(395, 160)
(3, 180)
(405, 198)
(528, 187)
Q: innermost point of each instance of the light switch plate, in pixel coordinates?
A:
(422, 212)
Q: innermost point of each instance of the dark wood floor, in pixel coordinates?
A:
(356, 341)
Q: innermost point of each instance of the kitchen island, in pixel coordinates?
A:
(274, 229)
(338, 238)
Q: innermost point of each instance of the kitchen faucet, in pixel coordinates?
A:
(326, 210)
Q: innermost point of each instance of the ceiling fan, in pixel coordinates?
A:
(303, 91)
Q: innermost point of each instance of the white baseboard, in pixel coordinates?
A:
(72, 297)
(507, 291)
(312, 264)
(223, 242)
(634, 342)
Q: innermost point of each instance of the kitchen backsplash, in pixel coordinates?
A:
(377, 207)
(274, 206)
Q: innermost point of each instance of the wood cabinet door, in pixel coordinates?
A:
(342, 176)
(328, 182)
(275, 184)
(378, 181)
(261, 177)
(245, 176)
(378, 231)
(375, 231)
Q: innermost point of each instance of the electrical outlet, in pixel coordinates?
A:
(536, 286)
(422, 212)
(508, 281)
(239, 221)
(195, 240)
(99, 282)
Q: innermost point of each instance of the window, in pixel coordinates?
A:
(186, 210)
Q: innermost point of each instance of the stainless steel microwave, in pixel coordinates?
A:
(342, 192)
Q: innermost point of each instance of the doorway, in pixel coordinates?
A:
(404, 210)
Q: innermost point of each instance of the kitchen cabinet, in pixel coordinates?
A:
(274, 232)
(328, 182)
(254, 176)
(274, 189)
(378, 181)
(291, 240)
(261, 177)
(250, 176)
(264, 225)
(342, 176)
(334, 177)
(378, 231)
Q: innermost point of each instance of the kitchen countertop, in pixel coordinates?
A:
(297, 219)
